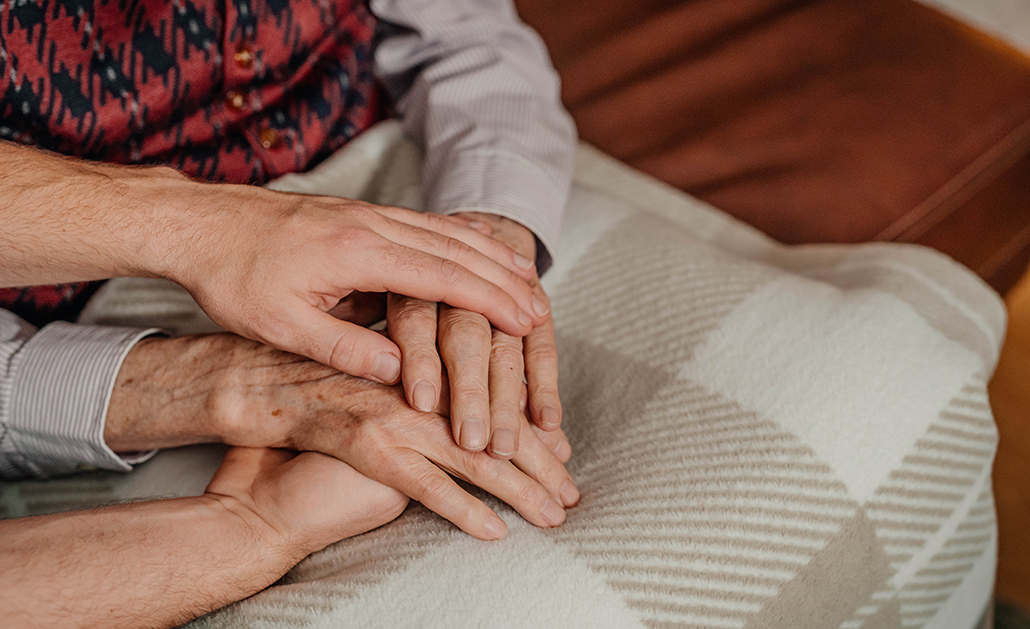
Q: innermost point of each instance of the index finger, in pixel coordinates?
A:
(425, 482)
(453, 249)
(450, 226)
(411, 272)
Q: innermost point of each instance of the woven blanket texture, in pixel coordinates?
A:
(763, 436)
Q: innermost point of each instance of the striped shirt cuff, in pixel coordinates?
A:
(507, 185)
(61, 386)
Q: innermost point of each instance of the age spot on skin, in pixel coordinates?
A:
(277, 412)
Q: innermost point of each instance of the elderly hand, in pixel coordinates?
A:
(485, 366)
(225, 388)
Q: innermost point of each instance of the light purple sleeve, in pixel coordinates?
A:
(55, 386)
(476, 88)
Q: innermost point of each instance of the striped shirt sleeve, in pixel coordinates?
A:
(55, 386)
(476, 88)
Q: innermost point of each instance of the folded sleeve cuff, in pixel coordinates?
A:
(60, 390)
(507, 185)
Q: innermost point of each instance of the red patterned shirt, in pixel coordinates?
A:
(226, 90)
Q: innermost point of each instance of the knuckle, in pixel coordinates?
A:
(424, 356)
(368, 437)
(542, 352)
(544, 390)
(344, 349)
(550, 476)
(471, 388)
(528, 493)
(477, 465)
(506, 341)
(435, 223)
(357, 237)
(471, 326)
(451, 273)
(506, 356)
(429, 484)
(457, 250)
(409, 310)
(514, 280)
(363, 213)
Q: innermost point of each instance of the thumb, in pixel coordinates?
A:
(345, 346)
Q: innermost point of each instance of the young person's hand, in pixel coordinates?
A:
(162, 563)
(266, 265)
(302, 502)
(485, 365)
(269, 265)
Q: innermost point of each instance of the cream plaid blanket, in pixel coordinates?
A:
(764, 436)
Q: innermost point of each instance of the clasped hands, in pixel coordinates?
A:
(405, 437)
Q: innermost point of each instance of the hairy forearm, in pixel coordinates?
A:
(150, 564)
(70, 220)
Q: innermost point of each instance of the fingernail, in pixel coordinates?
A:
(524, 318)
(539, 306)
(552, 513)
(495, 527)
(504, 442)
(569, 494)
(424, 396)
(549, 417)
(387, 368)
(476, 225)
(523, 262)
(473, 435)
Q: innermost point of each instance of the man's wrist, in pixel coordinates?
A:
(148, 210)
(176, 224)
(281, 547)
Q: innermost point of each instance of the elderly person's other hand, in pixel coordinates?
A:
(224, 388)
(485, 366)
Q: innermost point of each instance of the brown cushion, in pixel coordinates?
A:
(815, 121)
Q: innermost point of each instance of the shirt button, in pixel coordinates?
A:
(244, 57)
(235, 100)
(269, 138)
